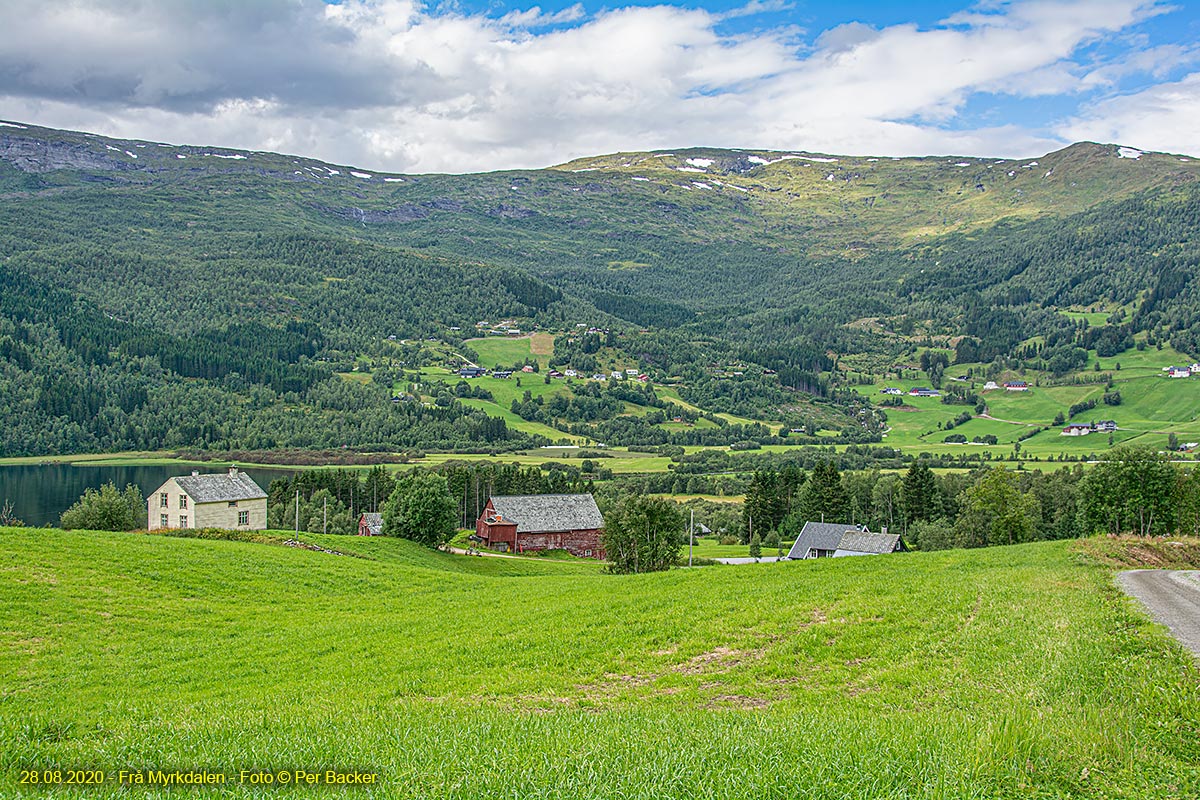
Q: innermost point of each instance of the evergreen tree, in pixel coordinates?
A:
(824, 498)
(920, 494)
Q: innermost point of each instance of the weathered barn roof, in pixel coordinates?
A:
(819, 536)
(864, 542)
(220, 487)
(374, 523)
(543, 513)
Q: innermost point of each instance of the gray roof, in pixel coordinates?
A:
(220, 487)
(819, 536)
(864, 542)
(542, 513)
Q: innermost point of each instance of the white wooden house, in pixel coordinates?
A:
(229, 500)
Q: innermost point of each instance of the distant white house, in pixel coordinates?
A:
(1179, 372)
(1016, 386)
(990, 385)
(230, 500)
(1077, 430)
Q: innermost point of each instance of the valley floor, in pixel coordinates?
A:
(1011, 672)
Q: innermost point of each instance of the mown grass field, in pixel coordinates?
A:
(509, 350)
(1011, 672)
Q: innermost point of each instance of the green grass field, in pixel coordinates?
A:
(1011, 672)
(509, 350)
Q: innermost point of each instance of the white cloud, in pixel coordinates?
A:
(389, 85)
(1165, 117)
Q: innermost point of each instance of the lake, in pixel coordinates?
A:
(41, 492)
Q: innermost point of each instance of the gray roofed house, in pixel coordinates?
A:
(220, 487)
(229, 500)
(865, 543)
(819, 539)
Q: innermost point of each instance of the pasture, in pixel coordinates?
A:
(1010, 672)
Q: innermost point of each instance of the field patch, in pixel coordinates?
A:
(1009, 672)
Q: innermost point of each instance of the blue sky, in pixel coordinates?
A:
(403, 85)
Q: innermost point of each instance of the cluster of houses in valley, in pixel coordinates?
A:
(616, 375)
(923, 391)
(508, 523)
(1182, 372)
(505, 327)
(1083, 429)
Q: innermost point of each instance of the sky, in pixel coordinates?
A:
(472, 85)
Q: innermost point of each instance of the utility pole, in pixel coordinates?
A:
(691, 535)
(325, 515)
(297, 515)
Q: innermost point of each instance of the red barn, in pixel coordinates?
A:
(522, 523)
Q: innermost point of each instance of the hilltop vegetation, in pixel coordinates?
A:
(162, 296)
(1012, 671)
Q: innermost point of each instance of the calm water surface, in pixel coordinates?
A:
(41, 492)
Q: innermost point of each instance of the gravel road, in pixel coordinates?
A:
(1172, 597)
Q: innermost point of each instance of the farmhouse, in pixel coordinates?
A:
(1179, 372)
(865, 543)
(472, 372)
(1077, 429)
(835, 540)
(921, 391)
(229, 500)
(1016, 386)
(523, 523)
(1105, 426)
(370, 525)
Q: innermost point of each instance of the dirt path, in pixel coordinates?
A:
(1009, 421)
(1172, 598)
(485, 553)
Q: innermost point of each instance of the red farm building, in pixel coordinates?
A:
(523, 523)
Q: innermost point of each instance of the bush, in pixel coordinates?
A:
(421, 509)
(729, 540)
(643, 534)
(107, 509)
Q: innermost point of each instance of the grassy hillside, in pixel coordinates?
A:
(1011, 672)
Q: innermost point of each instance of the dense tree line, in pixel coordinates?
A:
(1132, 490)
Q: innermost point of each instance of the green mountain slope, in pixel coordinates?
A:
(752, 273)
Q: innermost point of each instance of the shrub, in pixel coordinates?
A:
(107, 509)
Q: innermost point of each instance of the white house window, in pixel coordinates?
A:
(183, 501)
(243, 518)
(183, 520)
(162, 500)
(163, 521)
